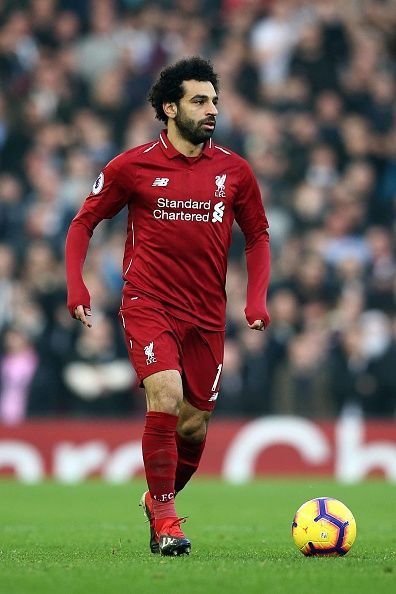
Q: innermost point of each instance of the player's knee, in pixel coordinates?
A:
(193, 430)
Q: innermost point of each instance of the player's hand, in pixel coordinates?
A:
(257, 325)
(82, 313)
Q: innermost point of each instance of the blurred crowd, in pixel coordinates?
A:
(307, 96)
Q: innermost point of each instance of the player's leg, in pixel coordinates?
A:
(164, 392)
(190, 440)
(202, 364)
(154, 352)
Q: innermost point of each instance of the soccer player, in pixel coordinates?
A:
(183, 193)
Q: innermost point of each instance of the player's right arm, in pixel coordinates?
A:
(108, 196)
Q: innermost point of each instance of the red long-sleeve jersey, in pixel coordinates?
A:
(180, 214)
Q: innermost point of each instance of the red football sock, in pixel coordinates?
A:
(189, 455)
(160, 461)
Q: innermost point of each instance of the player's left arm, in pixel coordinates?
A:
(250, 216)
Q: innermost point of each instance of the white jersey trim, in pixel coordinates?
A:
(223, 150)
(133, 247)
(147, 150)
(129, 265)
(163, 141)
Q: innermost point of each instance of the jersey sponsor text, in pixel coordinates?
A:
(188, 210)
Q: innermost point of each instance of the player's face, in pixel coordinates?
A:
(197, 111)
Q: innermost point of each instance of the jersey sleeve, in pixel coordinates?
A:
(250, 216)
(108, 196)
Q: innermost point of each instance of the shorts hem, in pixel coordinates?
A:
(142, 375)
(208, 407)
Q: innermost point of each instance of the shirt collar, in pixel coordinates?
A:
(170, 151)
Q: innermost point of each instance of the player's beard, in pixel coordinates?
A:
(193, 131)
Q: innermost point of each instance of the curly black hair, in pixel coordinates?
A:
(168, 88)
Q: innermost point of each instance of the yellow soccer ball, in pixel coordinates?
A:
(324, 526)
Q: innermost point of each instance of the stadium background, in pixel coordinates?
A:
(307, 96)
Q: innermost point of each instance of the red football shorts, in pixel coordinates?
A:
(157, 341)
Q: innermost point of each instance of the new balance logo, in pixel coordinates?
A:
(213, 398)
(149, 352)
(218, 212)
(160, 181)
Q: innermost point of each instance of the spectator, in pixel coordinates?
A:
(361, 369)
(18, 367)
(307, 95)
(273, 39)
(99, 380)
(7, 285)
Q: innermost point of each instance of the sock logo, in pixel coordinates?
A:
(164, 498)
(149, 352)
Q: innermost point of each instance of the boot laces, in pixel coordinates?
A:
(173, 527)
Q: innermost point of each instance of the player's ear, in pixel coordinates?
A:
(170, 109)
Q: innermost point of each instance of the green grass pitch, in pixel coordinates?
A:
(91, 538)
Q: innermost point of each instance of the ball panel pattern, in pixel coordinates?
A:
(324, 526)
